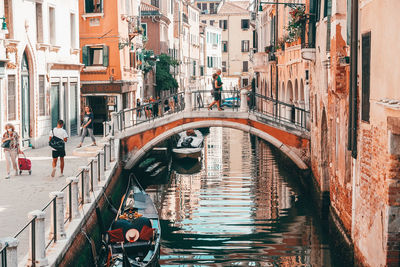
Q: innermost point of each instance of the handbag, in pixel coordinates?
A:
(6, 144)
(56, 143)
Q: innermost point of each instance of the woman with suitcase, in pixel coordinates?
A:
(10, 144)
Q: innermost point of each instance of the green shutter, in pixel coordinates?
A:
(105, 56)
(85, 55)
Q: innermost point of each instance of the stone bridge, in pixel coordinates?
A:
(139, 138)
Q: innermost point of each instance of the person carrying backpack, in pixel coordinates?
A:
(57, 138)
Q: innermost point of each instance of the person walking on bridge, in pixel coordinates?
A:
(216, 93)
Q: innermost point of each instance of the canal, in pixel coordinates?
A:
(242, 205)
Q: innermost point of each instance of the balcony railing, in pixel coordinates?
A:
(308, 32)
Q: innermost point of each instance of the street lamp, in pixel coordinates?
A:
(292, 5)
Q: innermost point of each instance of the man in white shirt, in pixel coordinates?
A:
(60, 153)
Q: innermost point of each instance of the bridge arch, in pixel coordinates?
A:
(135, 156)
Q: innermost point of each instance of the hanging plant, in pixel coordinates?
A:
(296, 24)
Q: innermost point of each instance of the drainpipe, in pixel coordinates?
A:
(276, 59)
(353, 115)
(352, 128)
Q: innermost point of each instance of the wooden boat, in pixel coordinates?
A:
(187, 166)
(189, 145)
(133, 238)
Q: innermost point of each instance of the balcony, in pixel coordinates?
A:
(308, 33)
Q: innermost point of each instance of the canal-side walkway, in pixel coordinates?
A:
(24, 193)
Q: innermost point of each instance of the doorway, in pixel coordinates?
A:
(99, 108)
(54, 104)
(25, 96)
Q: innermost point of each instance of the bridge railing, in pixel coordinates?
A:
(203, 98)
(279, 111)
(158, 108)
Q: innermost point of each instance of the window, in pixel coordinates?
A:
(245, 82)
(223, 66)
(73, 31)
(155, 3)
(199, 6)
(194, 68)
(212, 22)
(204, 6)
(42, 96)
(52, 25)
(327, 8)
(204, 21)
(39, 23)
(224, 46)
(93, 6)
(172, 7)
(201, 70)
(128, 8)
(245, 66)
(11, 98)
(144, 27)
(245, 45)
(212, 8)
(365, 68)
(245, 24)
(95, 55)
(223, 24)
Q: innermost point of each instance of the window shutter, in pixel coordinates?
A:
(105, 56)
(221, 24)
(85, 55)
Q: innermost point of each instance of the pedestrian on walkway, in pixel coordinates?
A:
(138, 109)
(87, 126)
(215, 92)
(61, 134)
(10, 143)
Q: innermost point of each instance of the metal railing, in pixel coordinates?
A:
(3, 255)
(229, 99)
(158, 108)
(278, 111)
(55, 207)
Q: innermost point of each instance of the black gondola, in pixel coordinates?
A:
(133, 238)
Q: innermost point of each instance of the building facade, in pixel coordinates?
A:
(213, 53)
(233, 17)
(282, 72)
(111, 42)
(39, 66)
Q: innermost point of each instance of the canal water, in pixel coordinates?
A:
(241, 205)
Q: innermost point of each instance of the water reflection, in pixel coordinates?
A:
(238, 210)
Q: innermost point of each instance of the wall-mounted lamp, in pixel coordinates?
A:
(4, 24)
(292, 5)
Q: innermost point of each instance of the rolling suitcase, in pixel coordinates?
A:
(24, 164)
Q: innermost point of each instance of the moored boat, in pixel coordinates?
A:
(189, 145)
(133, 238)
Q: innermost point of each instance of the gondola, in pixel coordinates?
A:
(190, 145)
(133, 238)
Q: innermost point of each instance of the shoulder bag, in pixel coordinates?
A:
(6, 144)
(56, 143)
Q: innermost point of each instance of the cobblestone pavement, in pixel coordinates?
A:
(22, 194)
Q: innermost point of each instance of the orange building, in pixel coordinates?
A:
(109, 42)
